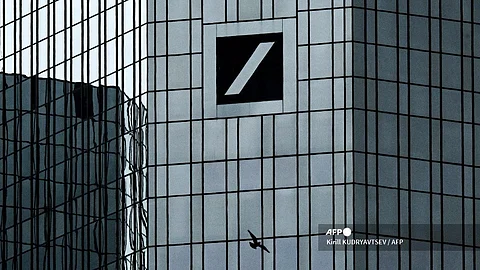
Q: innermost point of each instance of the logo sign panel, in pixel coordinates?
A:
(249, 68)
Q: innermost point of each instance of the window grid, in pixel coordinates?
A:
(367, 112)
(51, 222)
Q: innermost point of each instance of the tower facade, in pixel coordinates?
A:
(416, 132)
(284, 118)
(289, 118)
(250, 128)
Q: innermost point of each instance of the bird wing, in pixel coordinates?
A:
(264, 248)
(254, 238)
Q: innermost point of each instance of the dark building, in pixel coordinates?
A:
(64, 169)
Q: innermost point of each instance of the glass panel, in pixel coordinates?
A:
(197, 218)
(303, 63)
(419, 31)
(250, 258)
(386, 30)
(197, 254)
(285, 134)
(214, 147)
(302, 28)
(285, 172)
(250, 137)
(450, 9)
(179, 257)
(419, 137)
(178, 9)
(321, 132)
(285, 212)
(451, 148)
(214, 180)
(388, 200)
(339, 23)
(303, 211)
(179, 220)
(451, 69)
(387, 96)
(178, 66)
(215, 256)
(387, 63)
(451, 105)
(158, 216)
(387, 133)
(419, 100)
(320, 3)
(419, 67)
(387, 171)
(339, 130)
(386, 5)
(286, 253)
(213, 11)
(453, 216)
(420, 175)
(178, 142)
(178, 36)
(452, 179)
(339, 93)
(250, 214)
(215, 216)
(178, 105)
(321, 94)
(322, 259)
(321, 61)
(450, 36)
(179, 179)
(321, 26)
(250, 174)
(435, 37)
(232, 214)
(321, 205)
(321, 169)
(303, 132)
(249, 9)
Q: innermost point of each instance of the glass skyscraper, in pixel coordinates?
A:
(416, 133)
(62, 165)
(281, 118)
(368, 119)
(74, 141)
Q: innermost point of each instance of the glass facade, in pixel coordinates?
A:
(282, 118)
(222, 165)
(378, 134)
(73, 143)
(416, 131)
(62, 166)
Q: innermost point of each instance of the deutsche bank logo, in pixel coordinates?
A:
(249, 68)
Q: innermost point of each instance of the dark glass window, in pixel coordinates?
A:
(82, 95)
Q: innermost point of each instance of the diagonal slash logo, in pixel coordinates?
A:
(249, 68)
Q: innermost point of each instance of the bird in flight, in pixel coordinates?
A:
(256, 243)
